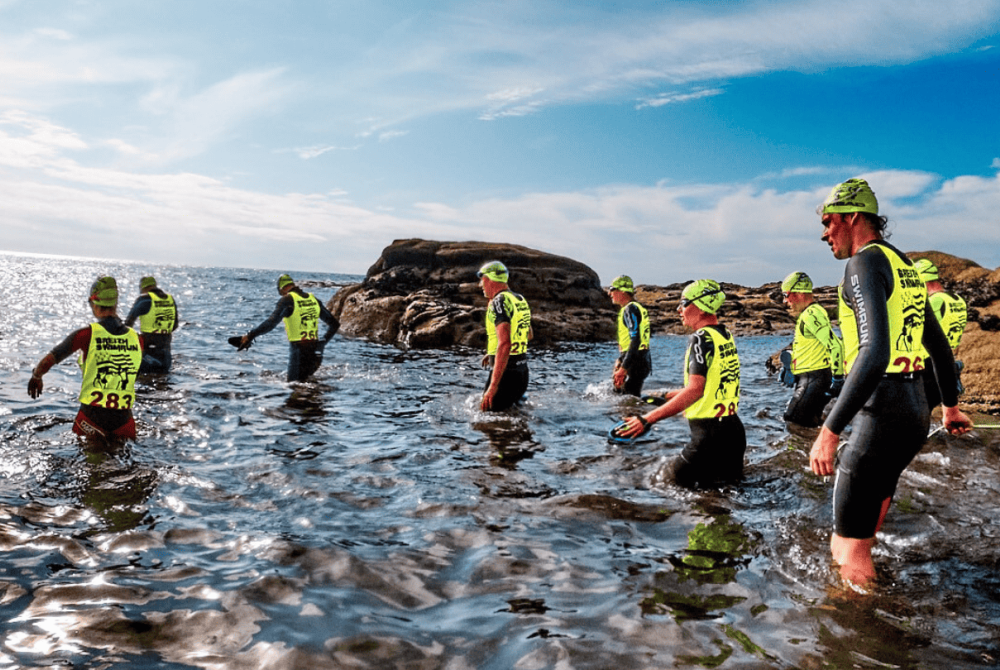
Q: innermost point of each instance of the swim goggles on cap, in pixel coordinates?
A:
(687, 301)
(495, 270)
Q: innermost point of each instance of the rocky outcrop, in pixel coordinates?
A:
(425, 294)
(747, 311)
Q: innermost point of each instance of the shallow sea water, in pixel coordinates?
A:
(374, 518)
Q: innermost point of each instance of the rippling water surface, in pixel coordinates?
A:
(374, 518)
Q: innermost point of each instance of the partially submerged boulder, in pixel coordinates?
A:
(425, 294)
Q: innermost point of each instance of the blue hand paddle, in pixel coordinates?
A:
(615, 436)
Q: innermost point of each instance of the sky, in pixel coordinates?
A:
(665, 140)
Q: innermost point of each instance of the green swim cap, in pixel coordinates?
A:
(104, 292)
(853, 195)
(623, 283)
(495, 270)
(797, 282)
(928, 271)
(706, 294)
(284, 280)
(147, 282)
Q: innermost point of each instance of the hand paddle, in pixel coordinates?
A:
(237, 341)
(614, 436)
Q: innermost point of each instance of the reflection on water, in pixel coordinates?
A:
(375, 518)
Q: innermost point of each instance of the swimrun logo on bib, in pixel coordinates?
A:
(859, 309)
(114, 344)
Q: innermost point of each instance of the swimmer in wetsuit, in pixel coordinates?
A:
(634, 363)
(111, 356)
(301, 313)
(710, 398)
(817, 353)
(157, 314)
(952, 313)
(883, 307)
(508, 329)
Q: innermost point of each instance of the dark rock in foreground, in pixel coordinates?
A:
(425, 294)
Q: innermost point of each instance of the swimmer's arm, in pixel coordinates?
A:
(499, 365)
(677, 402)
(332, 322)
(871, 274)
(939, 351)
(141, 306)
(284, 308)
(77, 341)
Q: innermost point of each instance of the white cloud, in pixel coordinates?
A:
(672, 98)
(391, 135)
(749, 233)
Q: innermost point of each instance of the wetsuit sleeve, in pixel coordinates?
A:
(283, 309)
(939, 349)
(821, 329)
(867, 286)
(701, 349)
(501, 309)
(633, 320)
(333, 324)
(77, 341)
(141, 306)
(836, 348)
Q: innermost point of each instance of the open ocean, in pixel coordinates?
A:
(374, 518)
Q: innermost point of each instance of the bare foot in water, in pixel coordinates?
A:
(855, 560)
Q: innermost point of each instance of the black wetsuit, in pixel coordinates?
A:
(888, 411)
(809, 398)
(304, 357)
(156, 354)
(636, 361)
(514, 382)
(715, 454)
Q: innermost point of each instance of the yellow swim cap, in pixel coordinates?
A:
(797, 282)
(853, 195)
(706, 294)
(928, 271)
(623, 283)
(284, 280)
(104, 292)
(495, 270)
(147, 282)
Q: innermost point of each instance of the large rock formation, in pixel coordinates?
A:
(425, 294)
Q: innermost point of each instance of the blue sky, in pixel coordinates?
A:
(665, 140)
